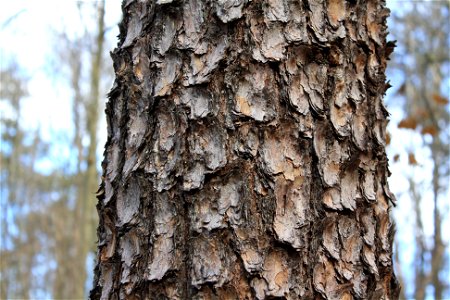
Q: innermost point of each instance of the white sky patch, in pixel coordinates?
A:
(28, 34)
(47, 107)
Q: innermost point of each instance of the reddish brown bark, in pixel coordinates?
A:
(245, 156)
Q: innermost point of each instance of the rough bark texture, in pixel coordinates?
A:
(245, 155)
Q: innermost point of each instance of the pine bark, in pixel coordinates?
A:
(246, 153)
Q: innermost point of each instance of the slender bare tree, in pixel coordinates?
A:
(422, 61)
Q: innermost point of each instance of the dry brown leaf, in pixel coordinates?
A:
(430, 129)
(396, 157)
(440, 99)
(388, 138)
(412, 159)
(410, 123)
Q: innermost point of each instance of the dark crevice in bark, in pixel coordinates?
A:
(186, 247)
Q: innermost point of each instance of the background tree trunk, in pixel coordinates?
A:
(245, 155)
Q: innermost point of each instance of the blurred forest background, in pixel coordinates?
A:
(53, 131)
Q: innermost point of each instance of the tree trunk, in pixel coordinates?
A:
(246, 153)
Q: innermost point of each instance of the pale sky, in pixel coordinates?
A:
(29, 38)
